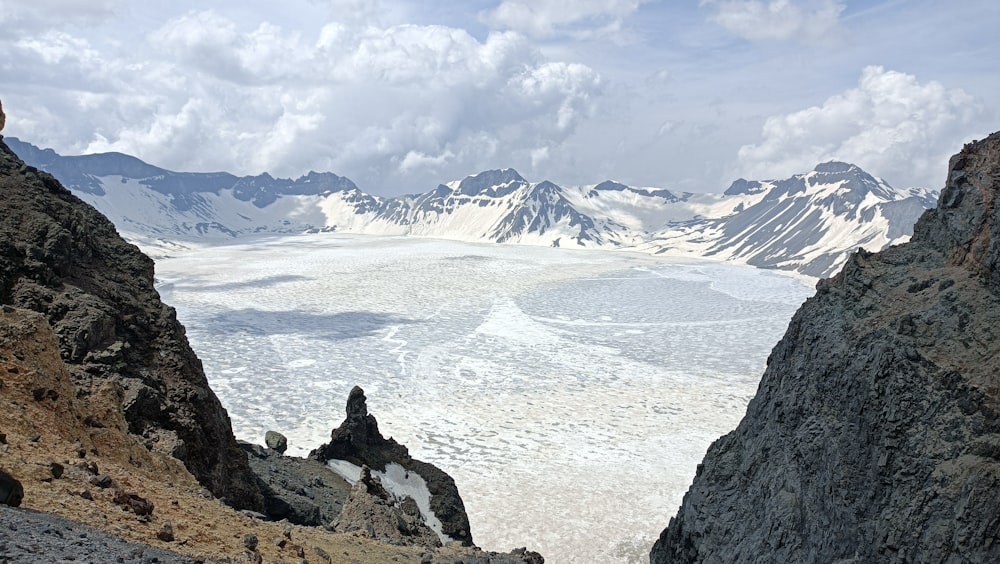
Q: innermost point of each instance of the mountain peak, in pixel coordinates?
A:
(611, 185)
(489, 181)
(744, 186)
(836, 167)
(966, 223)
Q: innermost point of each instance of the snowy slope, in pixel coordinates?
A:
(808, 223)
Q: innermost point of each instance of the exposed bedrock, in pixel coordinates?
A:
(60, 257)
(875, 433)
(359, 442)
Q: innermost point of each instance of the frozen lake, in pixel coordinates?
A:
(569, 393)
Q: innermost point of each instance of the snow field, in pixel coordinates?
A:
(569, 393)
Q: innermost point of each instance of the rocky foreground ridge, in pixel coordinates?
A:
(875, 433)
(61, 258)
(107, 420)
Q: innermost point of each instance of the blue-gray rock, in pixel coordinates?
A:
(875, 433)
(276, 441)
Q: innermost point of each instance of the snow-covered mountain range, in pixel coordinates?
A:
(808, 223)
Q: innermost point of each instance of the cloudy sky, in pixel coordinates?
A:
(399, 95)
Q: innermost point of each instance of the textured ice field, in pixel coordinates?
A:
(569, 393)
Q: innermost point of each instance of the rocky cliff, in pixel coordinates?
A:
(61, 258)
(875, 433)
(358, 441)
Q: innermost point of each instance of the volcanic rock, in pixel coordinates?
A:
(359, 442)
(11, 491)
(134, 503)
(3, 117)
(301, 490)
(60, 257)
(375, 511)
(276, 441)
(875, 433)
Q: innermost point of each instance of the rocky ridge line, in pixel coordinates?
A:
(60, 257)
(875, 433)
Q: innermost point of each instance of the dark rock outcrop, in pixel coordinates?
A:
(11, 491)
(875, 433)
(60, 257)
(376, 512)
(304, 491)
(359, 442)
(276, 441)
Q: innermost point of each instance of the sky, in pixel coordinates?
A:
(401, 95)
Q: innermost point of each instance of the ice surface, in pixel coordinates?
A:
(569, 393)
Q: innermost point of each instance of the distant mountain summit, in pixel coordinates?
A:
(808, 223)
(811, 222)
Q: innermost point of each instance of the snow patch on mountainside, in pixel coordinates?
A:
(808, 223)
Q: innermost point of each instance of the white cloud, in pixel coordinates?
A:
(544, 18)
(759, 20)
(48, 12)
(399, 108)
(55, 46)
(215, 45)
(890, 125)
(416, 159)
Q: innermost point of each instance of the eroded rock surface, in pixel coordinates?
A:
(875, 433)
(379, 514)
(302, 490)
(359, 442)
(60, 257)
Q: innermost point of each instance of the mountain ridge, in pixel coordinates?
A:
(808, 223)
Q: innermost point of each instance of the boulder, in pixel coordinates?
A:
(303, 491)
(11, 491)
(276, 441)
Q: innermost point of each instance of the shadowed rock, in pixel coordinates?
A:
(304, 491)
(875, 433)
(11, 491)
(359, 442)
(63, 259)
(375, 511)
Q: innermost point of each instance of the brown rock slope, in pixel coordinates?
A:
(875, 433)
(76, 459)
(60, 257)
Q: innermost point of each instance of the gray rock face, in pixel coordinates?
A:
(875, 433)
(304, 491)
(375, 511)
(63, 259)
(359, 442)
(35, 536)
(276, 441)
